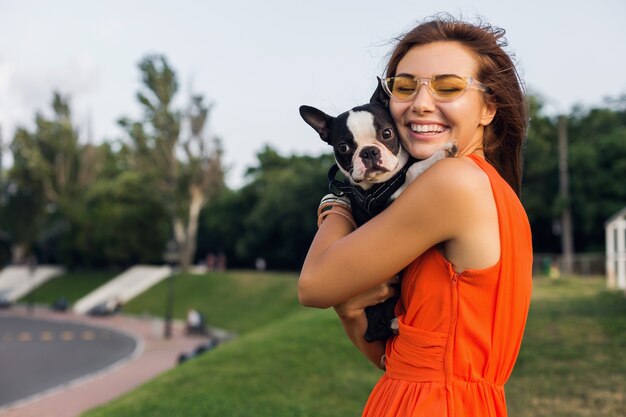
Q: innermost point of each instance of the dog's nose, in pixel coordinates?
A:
(370, 153)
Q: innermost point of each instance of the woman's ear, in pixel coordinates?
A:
(489, 112)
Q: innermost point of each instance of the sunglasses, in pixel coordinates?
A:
(446, 87)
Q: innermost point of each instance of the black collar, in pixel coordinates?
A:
(367, 203)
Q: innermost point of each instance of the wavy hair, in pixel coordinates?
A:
(504, 136)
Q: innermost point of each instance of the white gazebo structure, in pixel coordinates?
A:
(615, 229)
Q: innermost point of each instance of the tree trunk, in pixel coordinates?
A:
(567, 228)
(181, 241)
(186, 235)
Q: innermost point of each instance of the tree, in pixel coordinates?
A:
(597, 163)
(598, 168)
(121, 223)
(50, 171)
(540, 181)
(172, 146)
(273, 216)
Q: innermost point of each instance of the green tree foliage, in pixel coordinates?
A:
(598, 172)
(21, 218)
(50, 171)
(272, 217)
(111, 219)
(123, 223)
(540, 184)
(75, 203)
(597, 168)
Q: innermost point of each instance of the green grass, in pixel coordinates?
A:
(292, 361)
(71, 286)
(573, 357)
(238, 301)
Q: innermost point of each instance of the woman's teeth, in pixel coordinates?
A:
(427, 128)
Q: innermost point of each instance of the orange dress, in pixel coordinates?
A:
(460, 333)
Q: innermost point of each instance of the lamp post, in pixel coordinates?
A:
(567, 229)
(563, 226)
(31, 264)
(171, 257)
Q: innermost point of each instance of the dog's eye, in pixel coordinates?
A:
(387, 134)
(343, 148)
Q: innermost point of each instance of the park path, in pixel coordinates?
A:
(154, 356)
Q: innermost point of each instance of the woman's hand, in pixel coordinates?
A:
(355, 306)
(352, 316)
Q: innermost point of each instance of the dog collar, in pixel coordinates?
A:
(367, 203)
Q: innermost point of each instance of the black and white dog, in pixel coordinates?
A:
(377, 168)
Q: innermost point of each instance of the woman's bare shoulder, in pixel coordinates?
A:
(456, 178)
(444, 198)
(457, 201)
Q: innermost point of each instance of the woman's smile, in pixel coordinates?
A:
(426, 130)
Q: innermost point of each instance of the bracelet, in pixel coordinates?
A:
(328, 205)
(337, 209)
(334, 199)
(333, 204)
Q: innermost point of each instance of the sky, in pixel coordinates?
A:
(258, 61)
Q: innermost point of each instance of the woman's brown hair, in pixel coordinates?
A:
(504, 136)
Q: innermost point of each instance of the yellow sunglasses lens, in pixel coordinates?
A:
(403, 88)
(447, 87)
(443, 87)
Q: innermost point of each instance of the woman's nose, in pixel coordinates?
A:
(423, 102)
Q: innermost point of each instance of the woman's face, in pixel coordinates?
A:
(425, 123)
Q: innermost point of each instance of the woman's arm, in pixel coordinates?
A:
(352, 312)
(441, 205)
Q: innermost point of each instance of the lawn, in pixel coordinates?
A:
(238, 301)
(292, 361)
(573, 357)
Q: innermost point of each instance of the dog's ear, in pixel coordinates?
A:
(318, 120)
(379, 96)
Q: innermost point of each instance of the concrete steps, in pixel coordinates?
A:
(17, 281)
(124, 287)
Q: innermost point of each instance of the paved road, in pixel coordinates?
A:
(37, 354)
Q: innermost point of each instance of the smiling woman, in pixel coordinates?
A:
(458, 232)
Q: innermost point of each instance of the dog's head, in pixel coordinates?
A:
(364, 139)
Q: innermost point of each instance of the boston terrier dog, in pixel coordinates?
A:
(377, 169)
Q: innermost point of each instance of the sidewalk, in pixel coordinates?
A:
(153, 356)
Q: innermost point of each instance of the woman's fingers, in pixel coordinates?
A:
(373, 296)
(383, 292)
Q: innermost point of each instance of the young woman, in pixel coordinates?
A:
(458, 231)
